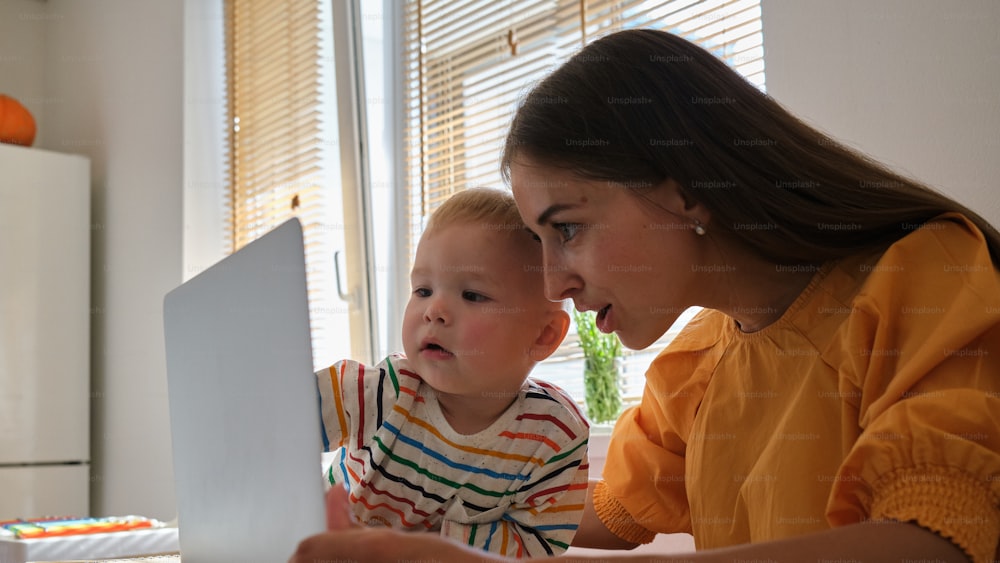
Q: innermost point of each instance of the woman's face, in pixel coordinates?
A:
(632, 260)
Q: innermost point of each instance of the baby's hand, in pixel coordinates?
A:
(338, 509)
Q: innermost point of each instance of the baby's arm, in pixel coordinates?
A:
(335, 417)
(350, 395)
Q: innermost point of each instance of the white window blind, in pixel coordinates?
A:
(468, 62)
(278, 158)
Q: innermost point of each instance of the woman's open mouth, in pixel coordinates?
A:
(603, 321)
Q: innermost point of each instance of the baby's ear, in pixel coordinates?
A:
(551, 335)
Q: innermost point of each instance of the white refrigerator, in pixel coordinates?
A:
(44, 333)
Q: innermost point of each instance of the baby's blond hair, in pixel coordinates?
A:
(495, 211)
(490, 208)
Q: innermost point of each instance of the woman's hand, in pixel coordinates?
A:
(338, 510)
(377, 545)
(348, 540)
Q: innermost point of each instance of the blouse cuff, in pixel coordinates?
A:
(945, 500)
(616, 519)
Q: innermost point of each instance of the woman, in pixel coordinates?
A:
(839, 396)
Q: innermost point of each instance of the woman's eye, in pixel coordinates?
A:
(566, 230)
(473, 296)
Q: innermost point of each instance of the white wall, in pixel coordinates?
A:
(22, 54)
(914, 83)
(204, 138)
(115, 69)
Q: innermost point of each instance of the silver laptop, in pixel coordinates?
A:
(244, 412)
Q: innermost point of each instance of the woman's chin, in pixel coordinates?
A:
(634, 341)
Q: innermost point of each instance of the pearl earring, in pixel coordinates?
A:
(698, 229)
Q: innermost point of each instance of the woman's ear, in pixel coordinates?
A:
(677, 201)
(551, 336)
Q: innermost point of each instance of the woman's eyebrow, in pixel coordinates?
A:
(552, 209)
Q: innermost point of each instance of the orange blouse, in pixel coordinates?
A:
(875, 396)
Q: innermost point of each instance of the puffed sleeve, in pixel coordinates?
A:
(643, 491)
(922, 349)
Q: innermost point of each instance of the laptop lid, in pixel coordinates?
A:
(244, 412)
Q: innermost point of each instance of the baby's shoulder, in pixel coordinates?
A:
(545, 399)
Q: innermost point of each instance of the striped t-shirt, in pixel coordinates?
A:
(517, 488)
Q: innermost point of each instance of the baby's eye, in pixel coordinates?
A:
(422, 292)
(474, 297)
(566, 230)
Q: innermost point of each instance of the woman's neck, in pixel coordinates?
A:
(757, 292)
(775, 303)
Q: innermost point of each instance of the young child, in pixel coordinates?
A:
(454, 437)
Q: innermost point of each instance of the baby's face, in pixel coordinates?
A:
(476, 306)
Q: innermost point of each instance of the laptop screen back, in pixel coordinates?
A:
(244, 411)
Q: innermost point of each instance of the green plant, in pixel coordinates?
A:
(601, 376)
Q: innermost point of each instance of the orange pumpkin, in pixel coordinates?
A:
(17, 126)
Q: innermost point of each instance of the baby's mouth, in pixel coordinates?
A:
(435, 349)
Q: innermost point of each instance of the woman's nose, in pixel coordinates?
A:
(560, 282)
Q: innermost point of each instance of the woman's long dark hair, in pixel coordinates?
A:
(641, 106)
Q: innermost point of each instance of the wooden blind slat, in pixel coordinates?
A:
(274, 129)
(462, 81)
